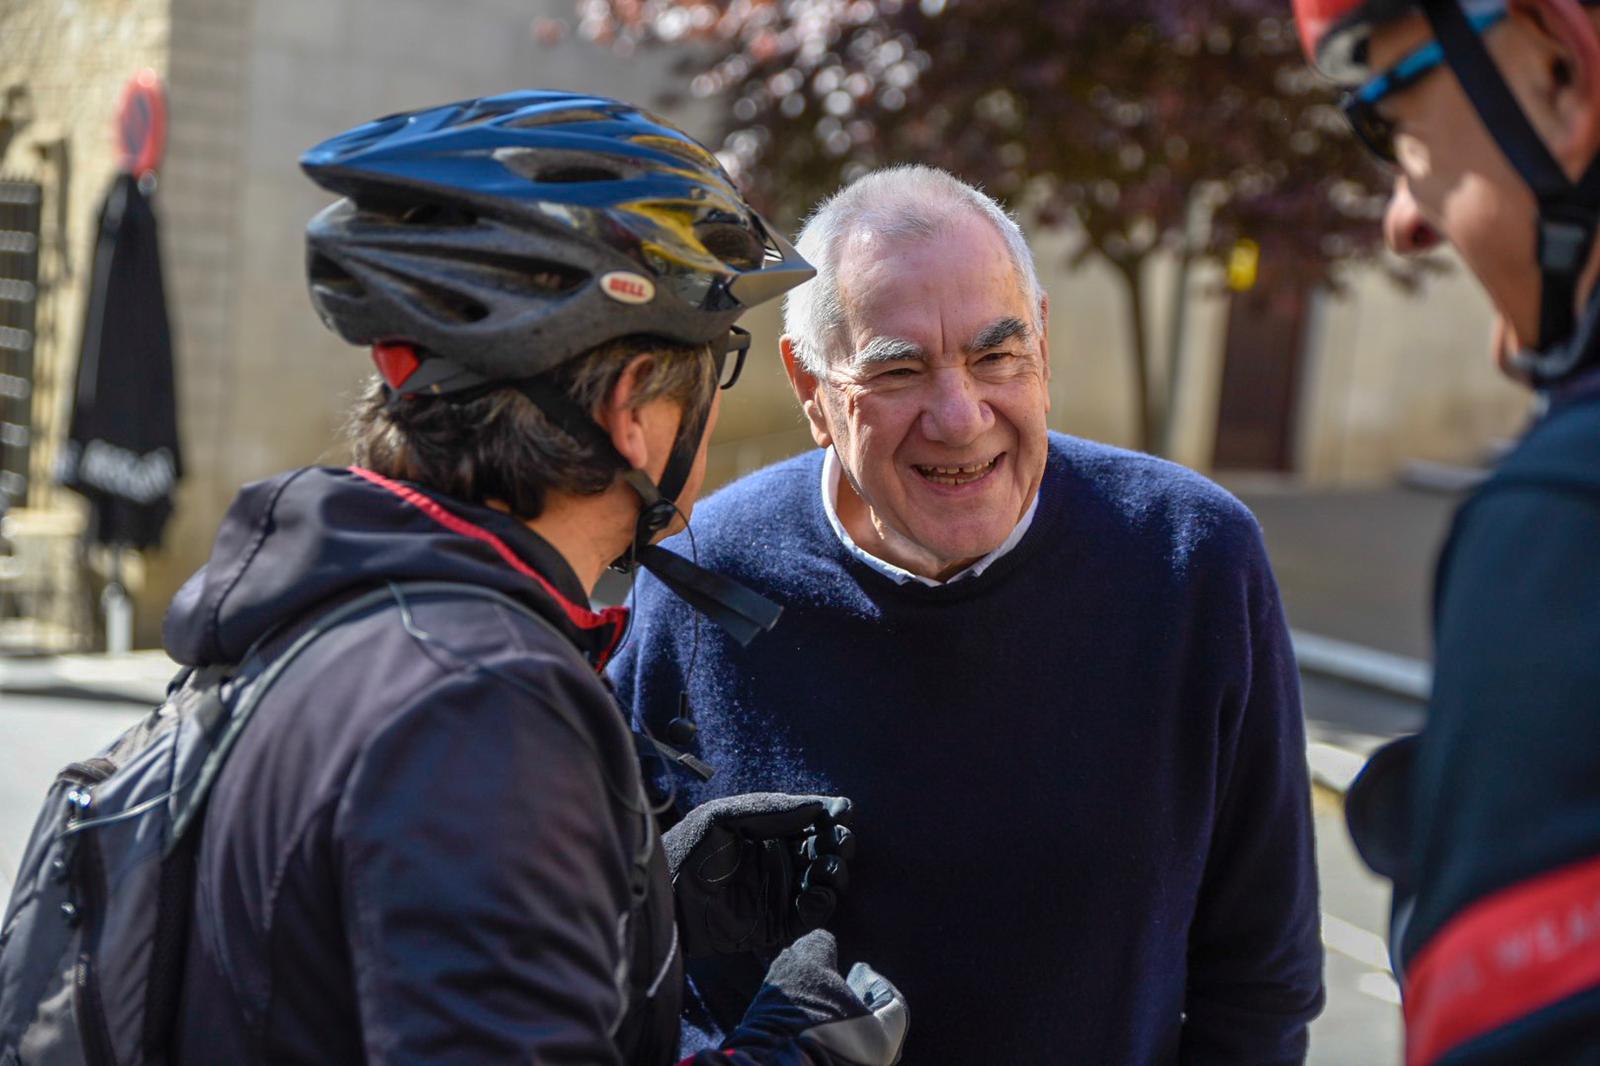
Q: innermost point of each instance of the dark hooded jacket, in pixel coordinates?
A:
(1488, 821)
(430, 844)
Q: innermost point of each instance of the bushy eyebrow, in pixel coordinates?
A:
(997, 333)
(881, 350)
(887, 350)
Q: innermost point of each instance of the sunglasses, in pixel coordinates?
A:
(737, 344)
(1376, 130)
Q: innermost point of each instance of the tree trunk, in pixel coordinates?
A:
(1177, 327)
(1149, 419)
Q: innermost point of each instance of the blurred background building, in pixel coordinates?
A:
(1278, 375)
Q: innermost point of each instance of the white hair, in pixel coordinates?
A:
(905, 202)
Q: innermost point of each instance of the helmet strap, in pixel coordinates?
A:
(744, 613)
(1560, 362)
(658, 503)
(1568, 212)
(740, 610)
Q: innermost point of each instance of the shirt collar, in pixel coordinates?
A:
(833, 470)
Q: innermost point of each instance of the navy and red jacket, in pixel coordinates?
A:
(1489, 821)
(430, 844)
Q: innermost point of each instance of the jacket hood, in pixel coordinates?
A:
(313, 535)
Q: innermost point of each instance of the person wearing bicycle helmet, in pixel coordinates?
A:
(432, 841)
(1488, 822)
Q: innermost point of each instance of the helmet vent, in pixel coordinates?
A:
(734, 245)
(439, 302)
(438, 215)
(559, 167)
(386, 209)
(477, 116)
(564, 175)
(448, 306)
(558, 116)
(691, 154)
(327, 275)
(518, 274)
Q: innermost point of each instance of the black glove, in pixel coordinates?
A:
(754, 872)
(807, 1013)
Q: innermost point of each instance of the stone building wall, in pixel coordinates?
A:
(1393, 377)
(68, 61)
(72, 59)
(202, 189)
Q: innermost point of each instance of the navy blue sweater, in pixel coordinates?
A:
(1080, 778)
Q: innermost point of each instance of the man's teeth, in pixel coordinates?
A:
(956, 475)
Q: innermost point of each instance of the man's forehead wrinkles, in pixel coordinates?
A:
(998, 332)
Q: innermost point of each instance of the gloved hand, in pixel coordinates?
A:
(807, 1013)
(753, 872)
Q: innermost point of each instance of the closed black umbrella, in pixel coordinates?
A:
(122, 445)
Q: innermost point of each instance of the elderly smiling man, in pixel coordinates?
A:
(1053, 675)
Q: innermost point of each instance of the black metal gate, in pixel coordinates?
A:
(19, 296)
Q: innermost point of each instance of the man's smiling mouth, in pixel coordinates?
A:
(956, 475)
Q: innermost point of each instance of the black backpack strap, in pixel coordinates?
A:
(176, 893)
(175, 896)
(169, 944)
(190, 800)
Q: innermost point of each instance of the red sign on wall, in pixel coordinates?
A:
(142, 124)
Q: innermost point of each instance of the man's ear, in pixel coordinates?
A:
(1044, 330)
(624, 421)
(1044, 340)
(807, 390)
(1568, 79)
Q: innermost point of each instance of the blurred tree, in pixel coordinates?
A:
(1137, 125)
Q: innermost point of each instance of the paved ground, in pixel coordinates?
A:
(1360, 1026)
(1355, 717)
(1357, 566)
(43, 734)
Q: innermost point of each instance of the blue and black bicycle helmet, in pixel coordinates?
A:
(491, 241)
(511, 233)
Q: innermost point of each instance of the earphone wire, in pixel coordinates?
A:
(638, 722)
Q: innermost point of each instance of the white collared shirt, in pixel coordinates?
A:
(832, 471)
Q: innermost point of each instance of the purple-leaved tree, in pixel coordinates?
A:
(1137, 125)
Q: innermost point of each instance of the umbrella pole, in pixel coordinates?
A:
(118, 610)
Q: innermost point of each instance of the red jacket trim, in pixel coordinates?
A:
(581, 616)
(1504, 957)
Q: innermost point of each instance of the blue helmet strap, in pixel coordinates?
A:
(1569, 212)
